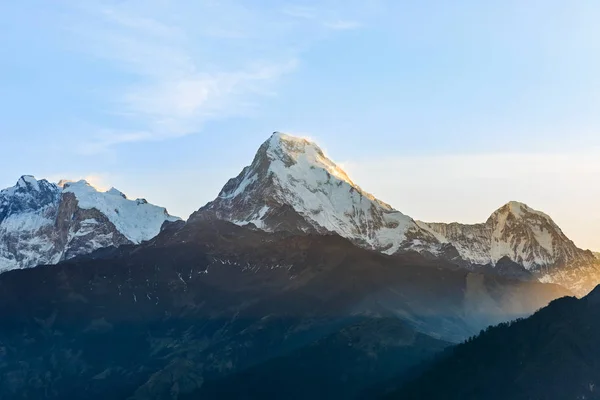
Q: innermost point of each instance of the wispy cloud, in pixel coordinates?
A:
(183, 63)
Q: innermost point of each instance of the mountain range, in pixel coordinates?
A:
(290, 186)
(293, 283)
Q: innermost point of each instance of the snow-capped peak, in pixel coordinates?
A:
(27, 194)
(517, 225)
(289, 154)
(520, 210)
(294, 150)
(527, 237)
(292, 185)
(515, 230)
(136, 220)
(43, 222)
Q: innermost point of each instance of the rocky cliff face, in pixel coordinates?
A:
(44, 223)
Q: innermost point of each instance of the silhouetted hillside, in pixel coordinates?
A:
(554, 354)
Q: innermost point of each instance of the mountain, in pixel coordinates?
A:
(206, 300)
(554, 354)
(292, 186)
(529, 238)
(44, 223)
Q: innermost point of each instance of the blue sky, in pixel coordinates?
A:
(444, 109)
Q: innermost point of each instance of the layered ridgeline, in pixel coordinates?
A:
(44, 223)
(292, 186)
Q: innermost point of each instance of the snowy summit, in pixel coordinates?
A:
(293, 186)
(44, 223)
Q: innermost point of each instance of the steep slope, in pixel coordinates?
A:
(44, 223)
(292, 186)
(527, 237)
(554, 354)
(210, 299)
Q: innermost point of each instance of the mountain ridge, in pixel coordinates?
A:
(293, 177)
(44, 223)
(291, 185)
(529, 238)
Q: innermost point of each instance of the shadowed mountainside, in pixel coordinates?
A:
(206, 300)
(553, 354)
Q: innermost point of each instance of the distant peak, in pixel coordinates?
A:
(520, 210)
